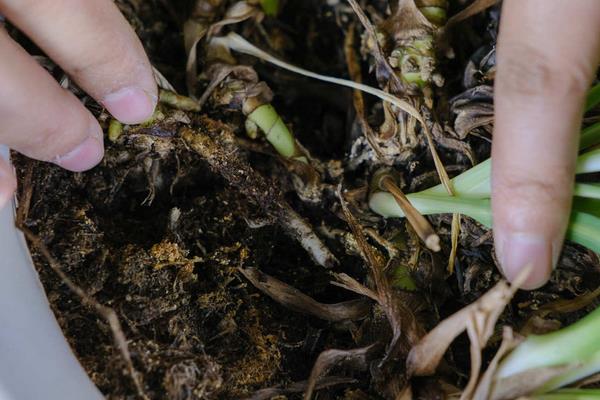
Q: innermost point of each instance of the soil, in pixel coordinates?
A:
(170, 237)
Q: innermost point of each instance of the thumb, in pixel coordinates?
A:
(547, 55)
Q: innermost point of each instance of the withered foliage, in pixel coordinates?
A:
(196, 262)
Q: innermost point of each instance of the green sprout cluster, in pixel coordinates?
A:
(472, 191)
(574, 351)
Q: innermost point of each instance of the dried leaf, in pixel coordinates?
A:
(479, 318)
(357, 359)
(380, 58)
(471, 117)
(297, 387)
(293, 299)
(355, 73)
(484, 386)
(474, 8)
(405, 394)
(565, 306)
(238, 12)
(455, 233)
(385, 180)
(407, 22)
(161, 81)
(191, 65)
(219, 71)
(406, 330)
(194, 30)
(347, 282)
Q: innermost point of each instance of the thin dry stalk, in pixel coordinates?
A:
(107, 313)
(357, 359)
(419, 223)
(454, 236)
(297, 387)
(406, 331)
(474, 8)
(355, 73)
(25, 195)
(295, 300)
(377, 51)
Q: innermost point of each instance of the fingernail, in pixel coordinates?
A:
(130, 105)
(86, 155)
(520, 250)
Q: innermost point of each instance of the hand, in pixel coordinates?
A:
(547, 54)
(95, 45)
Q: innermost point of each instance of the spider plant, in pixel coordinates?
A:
(573, 351)
(473, 191)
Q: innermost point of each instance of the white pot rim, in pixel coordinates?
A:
(36, 361)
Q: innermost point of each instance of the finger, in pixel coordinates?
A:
(8, 182)
(96, 46)
(40, 119)
(547, 54)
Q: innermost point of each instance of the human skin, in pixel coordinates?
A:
(547, 54)
(97, 48)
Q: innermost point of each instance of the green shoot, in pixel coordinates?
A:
(476, 182)
(593, 97)
(590, 136)
(588, 162)
(178, 101)
(435, 15)
(115, 129)
(270, 7)
(583, 228)
(276, 132)
(402, 279)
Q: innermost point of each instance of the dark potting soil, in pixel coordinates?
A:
(170, 237)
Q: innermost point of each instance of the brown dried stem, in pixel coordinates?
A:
(419, 223)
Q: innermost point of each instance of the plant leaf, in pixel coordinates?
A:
(270, 7)
(575, 347)
(593, 97)
(583, 228)
(570, 394)
(294, 299)
(590, 136)
(427, 354)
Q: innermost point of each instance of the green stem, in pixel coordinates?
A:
(275, 130)
(588, 162)
(178, 101)
(383, 203)
(583, 228)
(590, 136)
(587, 190)
(115, 129)
(476, 181)
(593, 97)
(270, 7)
